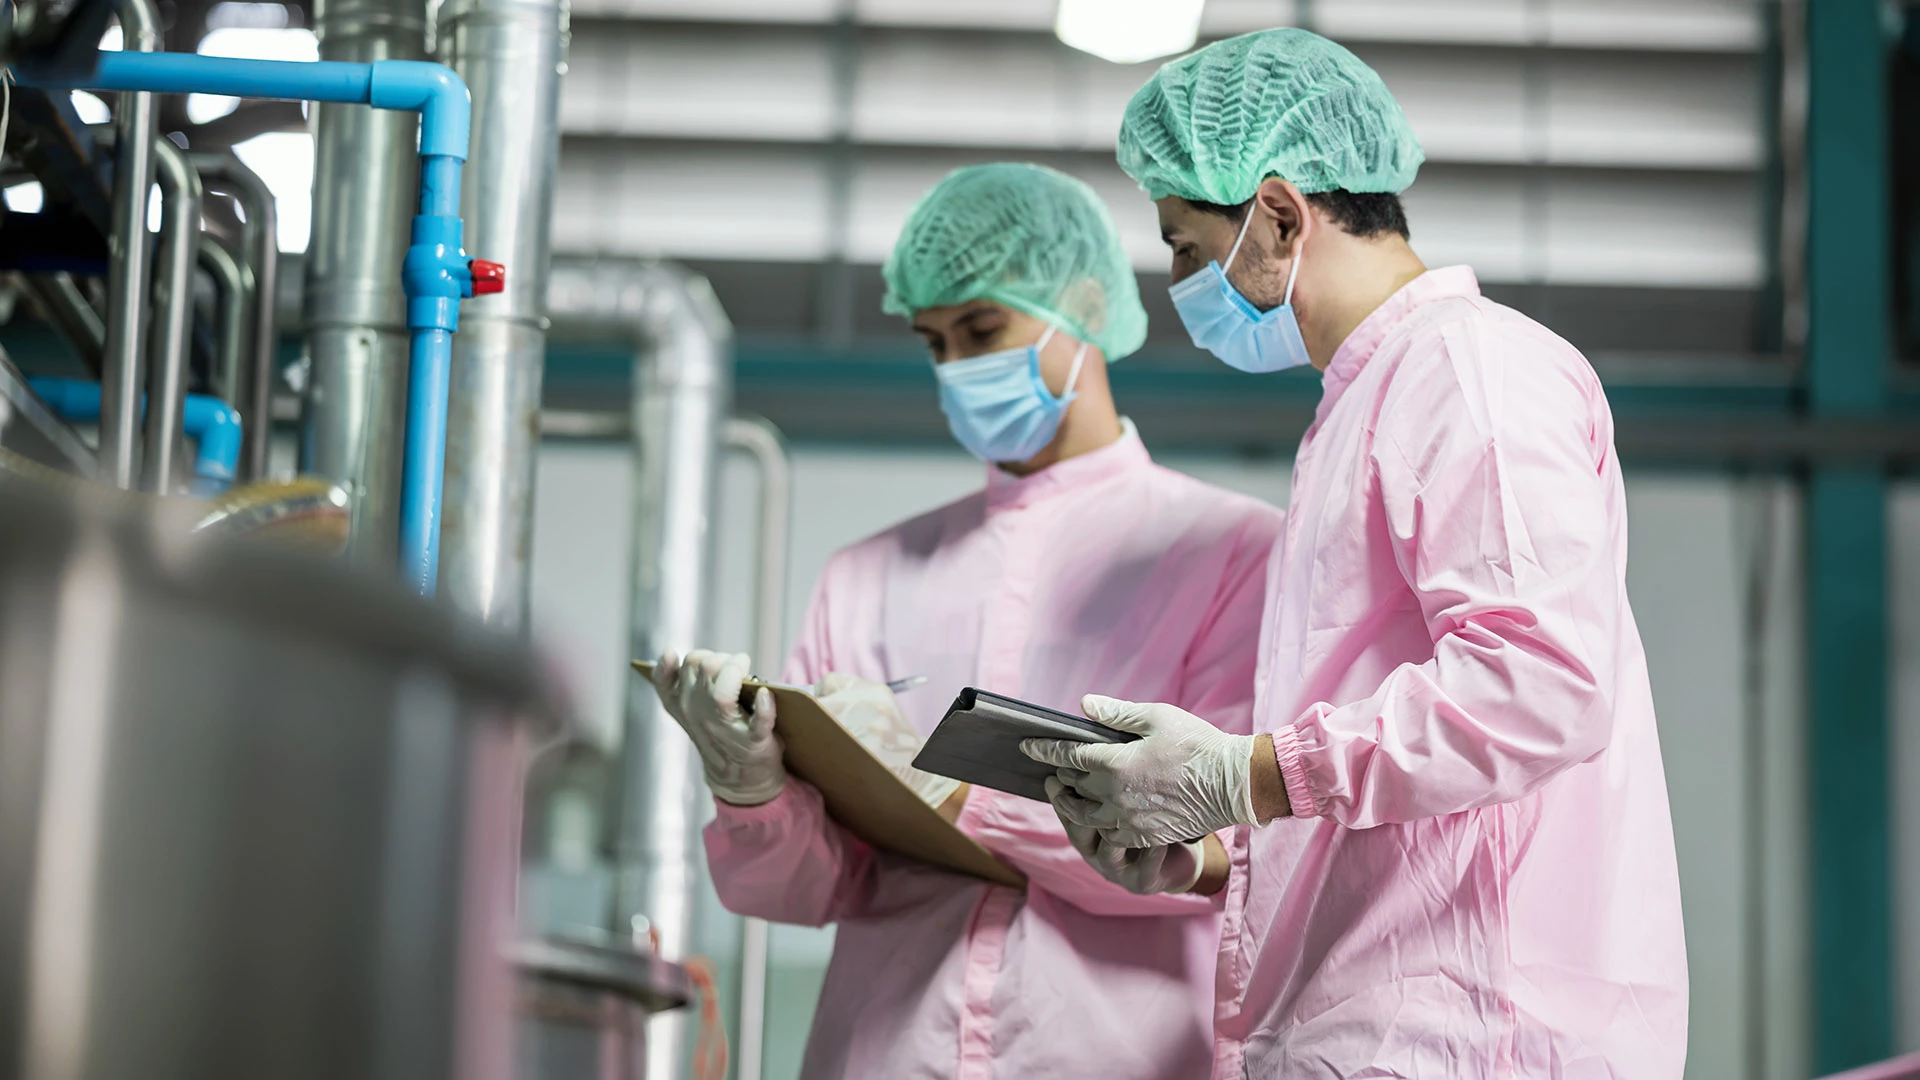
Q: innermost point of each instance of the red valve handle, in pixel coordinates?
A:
(488, 277)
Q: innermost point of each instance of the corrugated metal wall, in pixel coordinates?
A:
(1572, 144)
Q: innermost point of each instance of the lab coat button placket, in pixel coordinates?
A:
(1008, 620)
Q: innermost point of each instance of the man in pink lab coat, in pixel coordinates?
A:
(1463, 863)
(1080, 565)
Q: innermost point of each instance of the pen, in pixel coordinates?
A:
(908, 683)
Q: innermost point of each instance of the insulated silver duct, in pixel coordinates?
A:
(511, 53)
(260, 241)
(365, 171)
(173, 306)
(135, 127)
(682, 385)
(759, 439)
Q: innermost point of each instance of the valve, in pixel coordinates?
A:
(488, 277)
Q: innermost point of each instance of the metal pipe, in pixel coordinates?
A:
(261, 243)
(135, 129)
(510, 53)
(436, 274)
(759, 439)
(233, 296)
(72, 314)
(682, 376)
(356, 332)
(173, 278)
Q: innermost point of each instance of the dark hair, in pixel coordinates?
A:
(1361, 213)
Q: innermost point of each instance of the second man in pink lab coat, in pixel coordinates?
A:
(1080, 565)
(1464, 861)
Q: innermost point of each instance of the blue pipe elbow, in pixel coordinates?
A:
(215, 428)
(212, 424)
(436, 93)
(432, 90)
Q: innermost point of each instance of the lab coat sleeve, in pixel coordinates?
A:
(1027, 836)
(1489, 459)
(784, 860)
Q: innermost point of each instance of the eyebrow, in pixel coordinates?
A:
(963, 318)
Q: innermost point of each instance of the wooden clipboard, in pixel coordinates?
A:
(862, 794)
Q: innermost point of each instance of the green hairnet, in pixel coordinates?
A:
(1209, 127)
(1025, 236)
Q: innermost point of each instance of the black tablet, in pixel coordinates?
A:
(978, 742)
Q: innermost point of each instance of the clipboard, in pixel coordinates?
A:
(862, 794)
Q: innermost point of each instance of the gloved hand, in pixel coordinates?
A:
(1182, 779)
(868, 710)
(1169, 868)
(739, 753)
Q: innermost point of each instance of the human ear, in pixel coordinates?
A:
(1283, 202)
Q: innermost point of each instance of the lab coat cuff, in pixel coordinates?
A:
(780, 808)
(1291, 755)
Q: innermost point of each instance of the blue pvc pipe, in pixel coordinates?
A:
(423, 470)
(432, 90)
(212, 424)
(436, 276)
(191, 73)
(436, 279)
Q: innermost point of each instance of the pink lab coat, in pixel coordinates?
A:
(1104, 572)
(1480, 879)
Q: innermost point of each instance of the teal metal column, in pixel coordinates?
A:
(1849, 346)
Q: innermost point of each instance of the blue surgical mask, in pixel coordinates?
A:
(998, 405)
(1226, 324)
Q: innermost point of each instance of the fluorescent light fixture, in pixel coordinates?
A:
(284, 161)
(1129, 31)
(248, 43)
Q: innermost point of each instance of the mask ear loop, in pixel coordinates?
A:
(1073, 375)
(1252, 207)
(1293, 271)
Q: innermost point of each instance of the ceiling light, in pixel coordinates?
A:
(1129, 31)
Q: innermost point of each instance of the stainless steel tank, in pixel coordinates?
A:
(584, 1007)
(258, 815)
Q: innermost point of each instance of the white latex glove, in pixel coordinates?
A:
(868, 710)
(739, 753)
(1182, 779)
(1169, 868)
